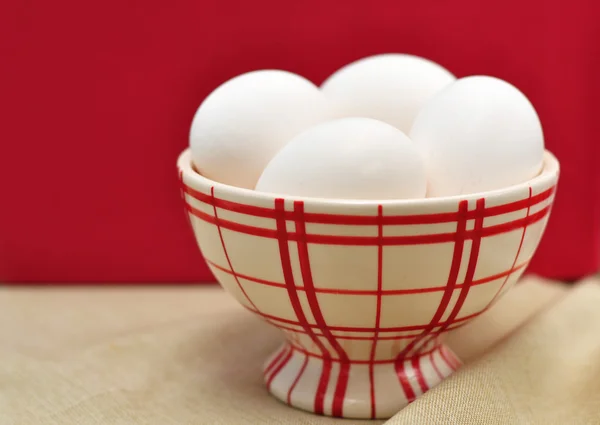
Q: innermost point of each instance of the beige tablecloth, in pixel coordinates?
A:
(163, 356)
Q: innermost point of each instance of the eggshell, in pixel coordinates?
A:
(245, 121)
(479, 134)
(390, 87)
(347, 158)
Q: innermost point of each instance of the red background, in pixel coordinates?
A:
(97, 98)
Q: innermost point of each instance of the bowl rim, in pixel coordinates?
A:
(547, 177)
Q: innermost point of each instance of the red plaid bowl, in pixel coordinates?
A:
(364, 290)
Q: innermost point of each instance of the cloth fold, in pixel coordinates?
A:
(193, 356)
(546, 372)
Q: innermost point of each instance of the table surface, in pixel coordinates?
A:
(171, 354)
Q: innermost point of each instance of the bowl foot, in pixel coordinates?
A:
(355, 389)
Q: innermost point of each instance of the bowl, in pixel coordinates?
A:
(364, 291)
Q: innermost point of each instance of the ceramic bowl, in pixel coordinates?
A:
(364, 291)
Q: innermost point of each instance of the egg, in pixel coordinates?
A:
(240, 126)
(481, 133)
(347, 158)
(389, 87)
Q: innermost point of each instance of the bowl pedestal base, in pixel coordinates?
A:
(356, 388)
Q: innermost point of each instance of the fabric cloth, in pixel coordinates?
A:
(191, 355)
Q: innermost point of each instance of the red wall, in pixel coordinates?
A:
(97, 98)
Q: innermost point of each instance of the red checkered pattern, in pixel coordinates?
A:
(415, 273)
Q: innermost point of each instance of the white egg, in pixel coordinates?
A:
(245, 121)
(480, 133)
(390, 87)
(347, 158)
